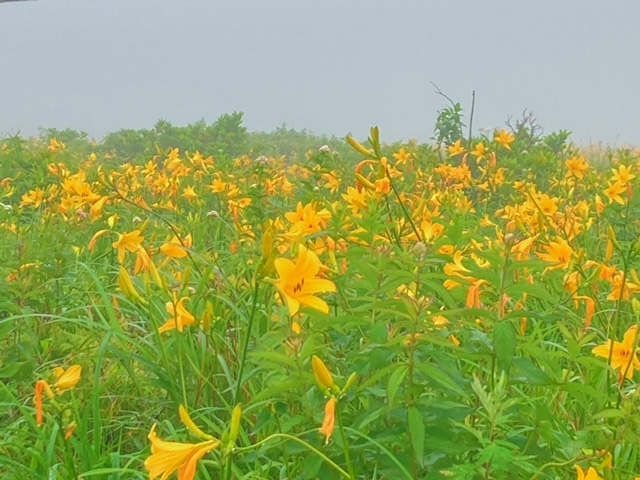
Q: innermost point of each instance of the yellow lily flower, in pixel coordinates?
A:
(169, 457)
(175, 248)
(613, 192)
(624, 356)
(559, 253)
(480, 151)
(181, 317)
(590, 474)
(577, 167)
(67, 379)
(128, 242)
(298, 284)
(505, 139)
(456, 149)
(189, 193)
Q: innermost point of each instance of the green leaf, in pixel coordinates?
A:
(307, 348)
(274, 358)
(504, 344)
(378, 333)
(436, 374)
(395, 380)
(531, 372)
(416, 430)
(517, 290)
(609, 413)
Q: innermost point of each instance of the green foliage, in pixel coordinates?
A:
(226, 136)
(449, 125)
(454, 350)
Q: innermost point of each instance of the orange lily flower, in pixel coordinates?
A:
(329, 423)
(559, 253)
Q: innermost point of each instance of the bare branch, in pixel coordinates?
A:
(473, 106)
(440, 92)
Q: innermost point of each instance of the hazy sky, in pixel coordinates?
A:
(331, 66)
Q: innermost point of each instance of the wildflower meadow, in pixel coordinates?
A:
(203, 302)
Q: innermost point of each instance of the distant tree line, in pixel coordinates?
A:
(227, 137)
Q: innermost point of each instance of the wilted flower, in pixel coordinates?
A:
(66, 380)
(328, 425)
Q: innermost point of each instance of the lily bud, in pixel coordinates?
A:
(350, 381)
(234, 429)
(359, 147)
(144, 226)
(190, 424)
(322, 373)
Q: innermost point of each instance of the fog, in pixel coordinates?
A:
(331, 67)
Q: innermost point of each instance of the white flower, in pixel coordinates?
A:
(324, 149)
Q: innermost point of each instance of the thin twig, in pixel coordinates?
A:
(440, 92)
(473, 105)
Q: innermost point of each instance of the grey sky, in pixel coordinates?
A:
(331, 66)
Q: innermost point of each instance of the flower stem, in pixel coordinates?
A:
(345, 443)
(245, 346)
(404, 209)
(285, 436)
